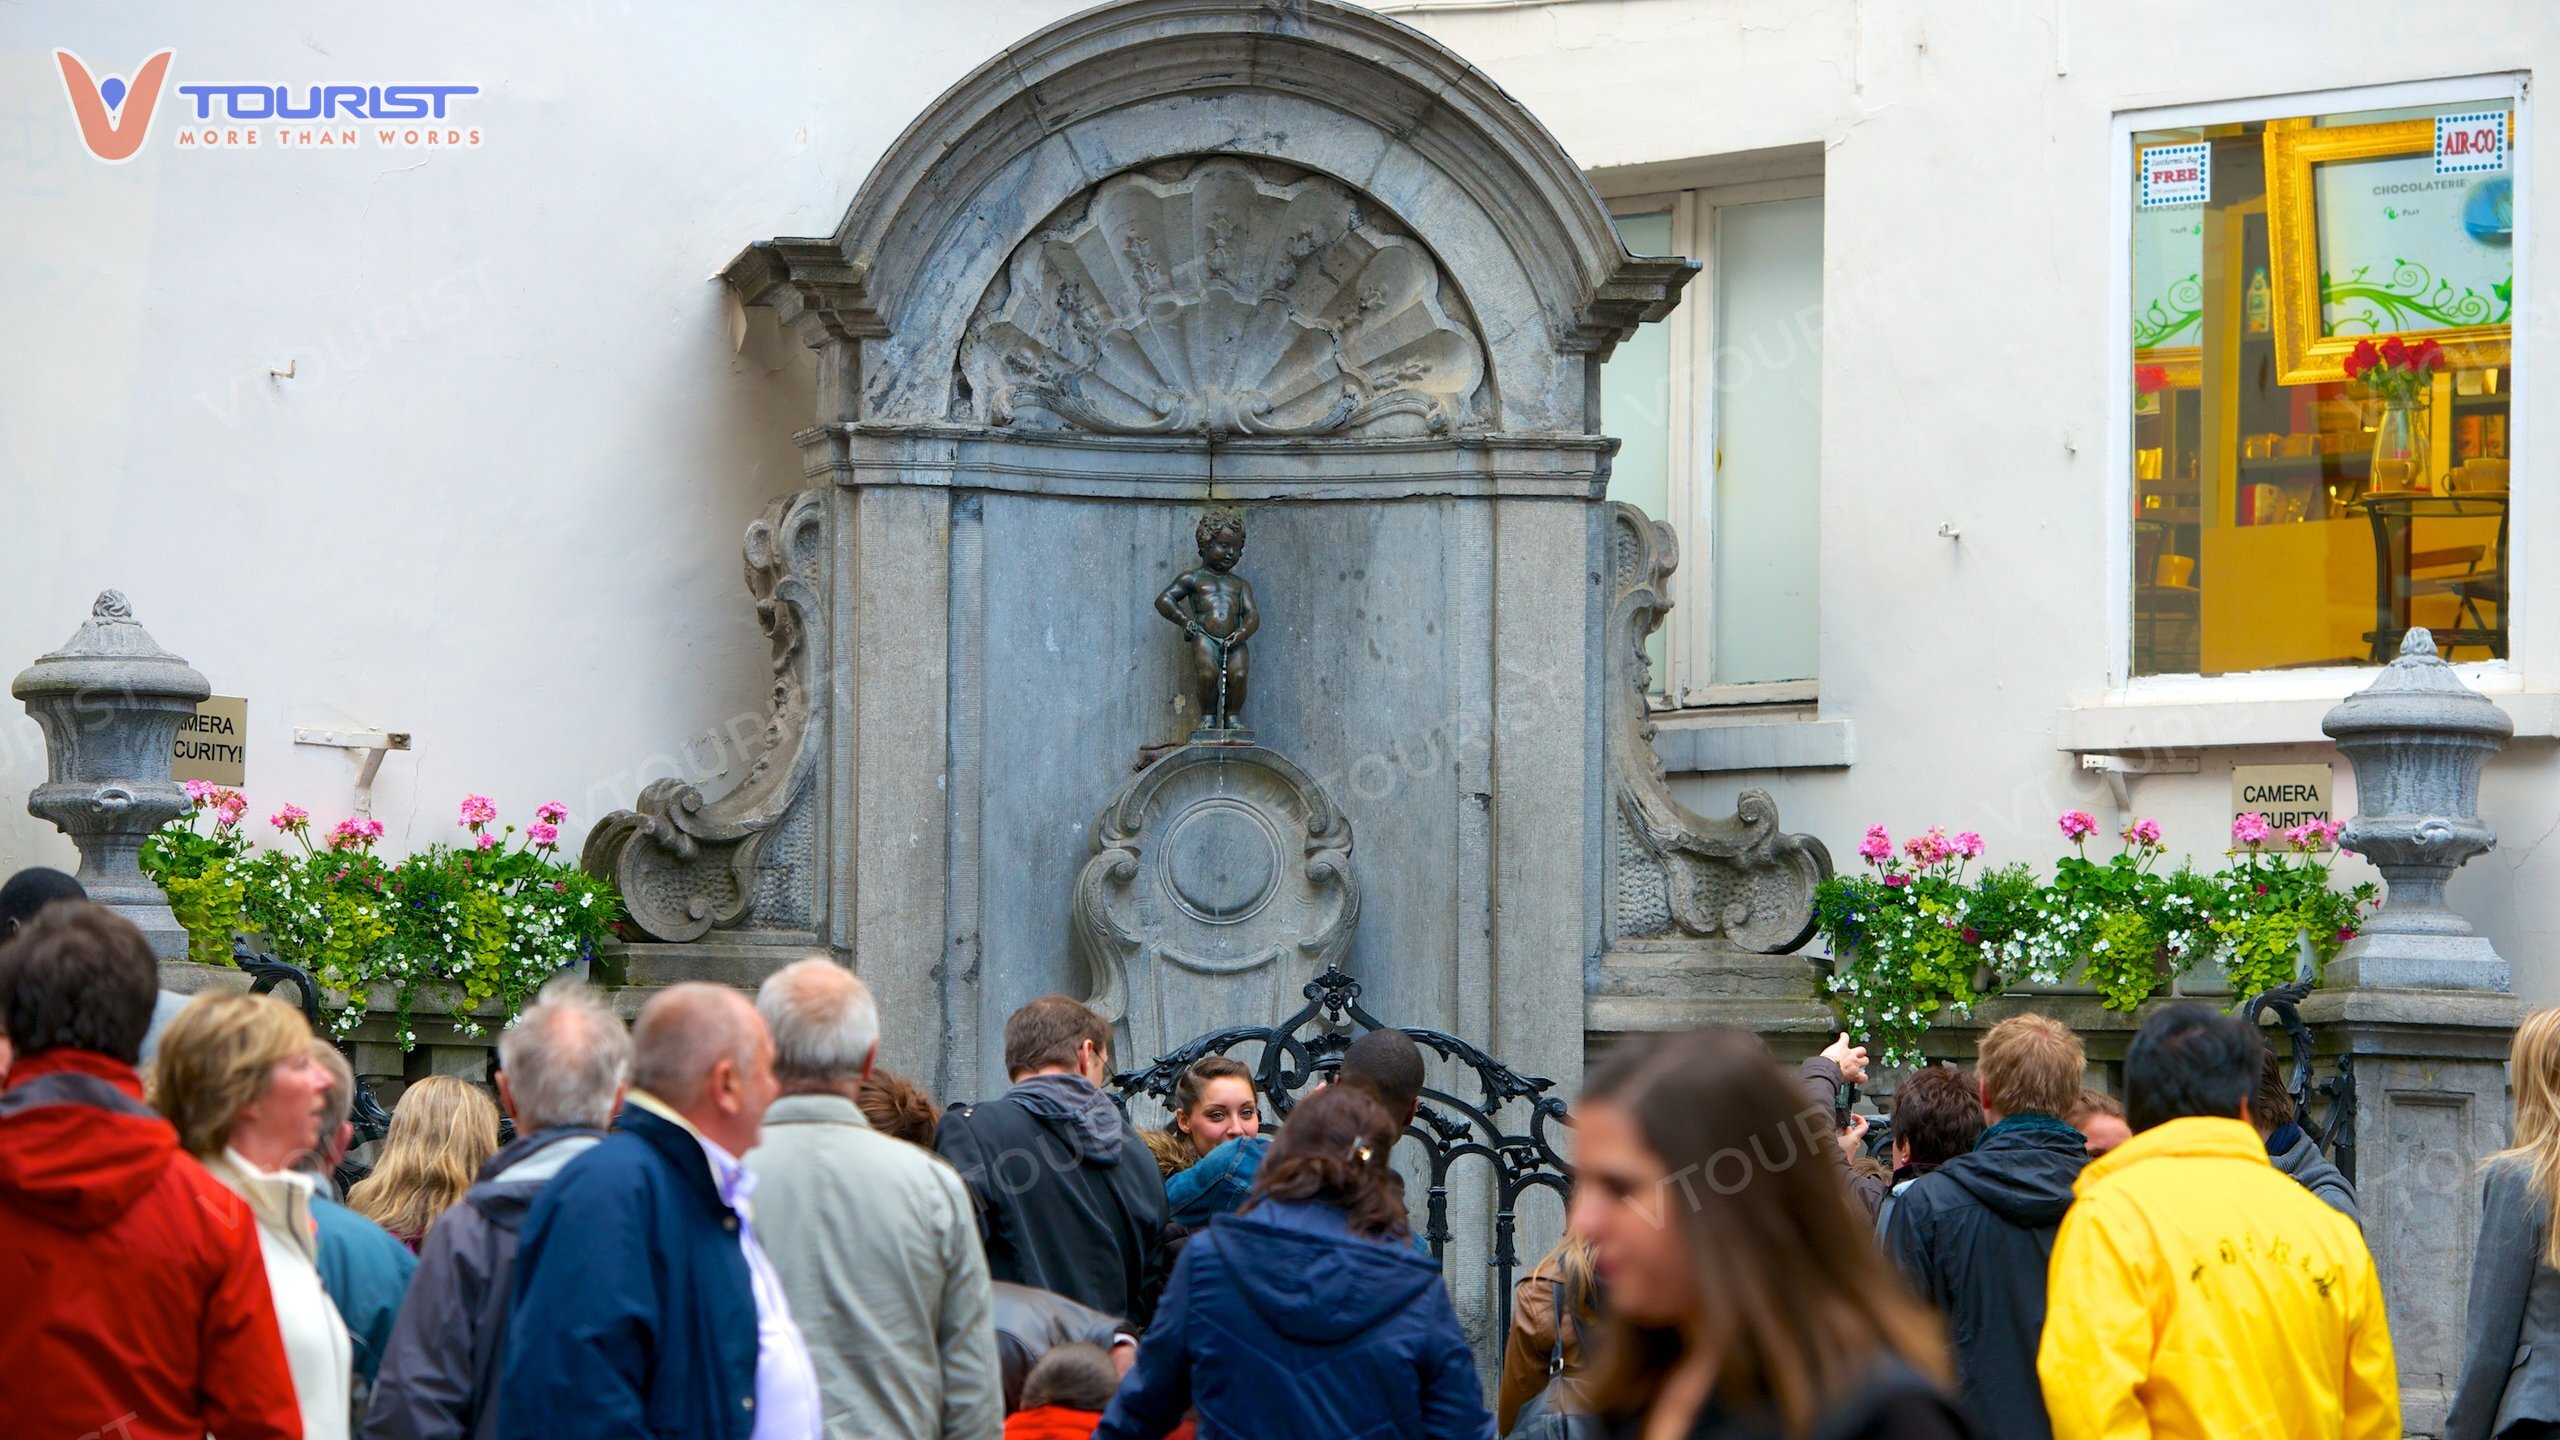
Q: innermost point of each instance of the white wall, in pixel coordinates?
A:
(498, 505)
(1967, 352)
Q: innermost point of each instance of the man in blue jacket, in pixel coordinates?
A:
(644, 1303)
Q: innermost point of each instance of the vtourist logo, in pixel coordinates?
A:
(115, 116)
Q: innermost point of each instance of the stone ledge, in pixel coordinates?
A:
(2449, 1024)
(1176, 470)
(1707, 744)
(2203, 724)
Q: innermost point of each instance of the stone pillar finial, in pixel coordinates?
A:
(2418, 738)
(110, 702)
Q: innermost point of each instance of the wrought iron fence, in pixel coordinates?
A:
(2334, 1128)
(1450, 1128)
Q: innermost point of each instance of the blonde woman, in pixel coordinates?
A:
(441, 1131)
(236, 1076)
(2511, 1366)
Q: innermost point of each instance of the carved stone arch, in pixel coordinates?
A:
(1224, 296)
(1325, 87)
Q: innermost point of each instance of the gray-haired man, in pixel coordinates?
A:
(562, 1069)
(874, 1237)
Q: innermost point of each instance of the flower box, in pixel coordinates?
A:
(1918, 934)
(471, 930)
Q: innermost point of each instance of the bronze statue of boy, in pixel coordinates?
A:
(1214, 607)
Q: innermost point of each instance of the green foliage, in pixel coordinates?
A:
(2278, 908)
(492, 919)
(200, 872)
(1911, 938)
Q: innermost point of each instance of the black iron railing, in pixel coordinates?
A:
(2333, 1126)
(1504, 1125)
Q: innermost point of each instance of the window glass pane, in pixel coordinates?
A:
(1635, 406)
(1768, 409)
(2285, 515)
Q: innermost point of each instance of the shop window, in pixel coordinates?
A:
(1718, 411)
(2284, 514)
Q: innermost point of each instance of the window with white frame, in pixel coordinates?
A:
(1718, 411)
(2320, 293)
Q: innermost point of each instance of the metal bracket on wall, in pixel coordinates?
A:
(2118, 771)
(371, 744)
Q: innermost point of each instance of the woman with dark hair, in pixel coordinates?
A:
(1306, 1316)
(1746, 1294)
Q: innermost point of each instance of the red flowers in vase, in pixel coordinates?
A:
(2395, 369)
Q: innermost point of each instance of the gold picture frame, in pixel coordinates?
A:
(2305, 354)
(2185, 364)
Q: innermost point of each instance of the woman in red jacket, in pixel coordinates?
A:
(137, 1300)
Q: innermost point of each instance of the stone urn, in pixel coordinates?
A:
(111, 702)
(2418, 738)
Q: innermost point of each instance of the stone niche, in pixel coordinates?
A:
(1292, 258)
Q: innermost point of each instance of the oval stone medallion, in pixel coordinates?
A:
(1221, 861)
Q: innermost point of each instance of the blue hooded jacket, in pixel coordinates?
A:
(1280, 1324)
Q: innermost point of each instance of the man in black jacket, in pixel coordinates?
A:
(1068, 1197)
(1975, 1235)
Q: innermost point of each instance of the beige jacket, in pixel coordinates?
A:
(878, 1251)
(316, 1348)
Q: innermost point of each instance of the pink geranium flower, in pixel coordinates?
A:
(542, 834)
(2251, 830)
(199, 791)
(478, 810)
(1968, 845)
(487, 841)
(550, 812)
(2078, 825)
(1877, 847)
(289, 819)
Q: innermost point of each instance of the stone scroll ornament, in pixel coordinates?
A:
(1677, 872)
(687, 864)
(1220, 882)
(1223, 297)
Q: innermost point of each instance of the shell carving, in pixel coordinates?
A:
(1221, 300)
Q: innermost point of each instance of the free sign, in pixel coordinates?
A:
(2176, 175)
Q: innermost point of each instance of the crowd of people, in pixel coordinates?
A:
(723, 1219)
